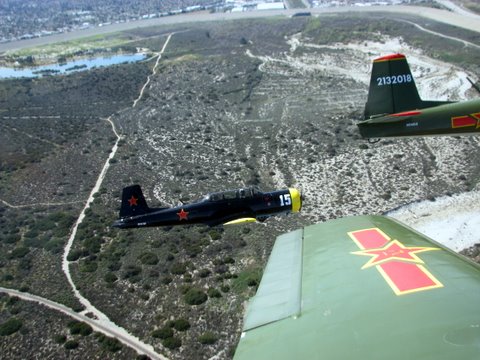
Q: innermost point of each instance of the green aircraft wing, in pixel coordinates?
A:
(363, 287)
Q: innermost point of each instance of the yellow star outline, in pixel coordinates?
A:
(393, 251)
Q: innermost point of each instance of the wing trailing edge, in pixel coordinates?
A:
(278, 295)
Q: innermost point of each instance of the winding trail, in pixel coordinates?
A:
(154, 72)
(466, 43)
(96, 325)
(102, 320)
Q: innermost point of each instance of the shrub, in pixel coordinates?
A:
(229, 260)
(215, 235)
(181, 324)
(77, 327)
(214, 293)
(131, 270)
(162, 333)
(60, 339)
(71, 344)
(195, 297)
(204, 273)
(178, 268)
(166, 280)
(207, 338)
(88, 266)
(110, 277)
(10, 327)
(148, 259)
(172, 343)
(111, 344)
(8, 277)
(19, 252)
(76, 254)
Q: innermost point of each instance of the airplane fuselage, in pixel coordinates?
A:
(448, 119)
(219, 208)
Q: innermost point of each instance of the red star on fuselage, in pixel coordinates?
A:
(133, 201)
(182, 215)
(394, 250)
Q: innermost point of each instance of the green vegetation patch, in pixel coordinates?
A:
(247, 278)
(195, 297)
(78, 327)
(71, 344)
(181, 324)
(108, 343)
(69, 48)
(207, 338)
(10, 326)
(162, 333)
(214, 293)
(172, 343)
(148, 258)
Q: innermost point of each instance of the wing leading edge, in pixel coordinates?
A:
(368, 287)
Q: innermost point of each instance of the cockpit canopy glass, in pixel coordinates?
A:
(243, 193)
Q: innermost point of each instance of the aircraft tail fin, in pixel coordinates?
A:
(133, 202)
(392, 87)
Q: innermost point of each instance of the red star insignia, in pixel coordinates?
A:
(394, 250)
(133, 201)
(182, 215)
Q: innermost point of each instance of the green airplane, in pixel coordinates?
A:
(364, 287)
(394, 107)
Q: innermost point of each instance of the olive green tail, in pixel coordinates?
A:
(392, 88)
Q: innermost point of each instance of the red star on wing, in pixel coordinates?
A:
(133, 201)
(394, 250)
(182, 215)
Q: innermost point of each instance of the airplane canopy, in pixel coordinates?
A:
(232, 194)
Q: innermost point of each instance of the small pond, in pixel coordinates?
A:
(70, 66)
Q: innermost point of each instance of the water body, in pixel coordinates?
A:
(70, 66)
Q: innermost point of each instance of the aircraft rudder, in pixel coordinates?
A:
(392, 87)
(133, 202)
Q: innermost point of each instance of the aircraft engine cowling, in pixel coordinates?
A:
(296, 199)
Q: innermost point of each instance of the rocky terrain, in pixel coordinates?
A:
(267, 102)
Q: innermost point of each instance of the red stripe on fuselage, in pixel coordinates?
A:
(407, 113)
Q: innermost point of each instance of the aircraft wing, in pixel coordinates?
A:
(363, 287)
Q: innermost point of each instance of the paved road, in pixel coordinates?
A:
(447, 17)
